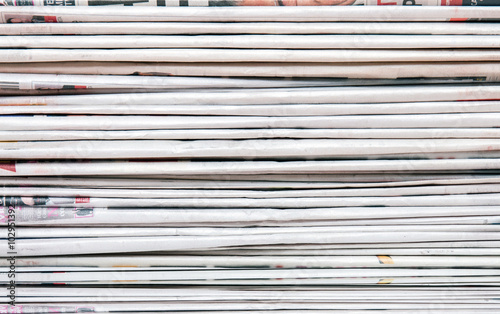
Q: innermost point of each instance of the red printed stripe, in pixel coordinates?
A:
(9, 166)
(379, 2)
(79, 200)
(50, 19)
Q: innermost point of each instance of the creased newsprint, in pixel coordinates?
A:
(78, 246)
(171, 168)
(179, 28)
(319, 95)
(253, 149)
(309, 42)
(57, 215)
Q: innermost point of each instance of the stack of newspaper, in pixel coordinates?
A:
(232, 159)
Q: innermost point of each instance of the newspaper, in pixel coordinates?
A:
(469, 220)
(317, 297)
(302, 292)
(288, 307)
(137, 84)
(178, 28)
(249, 194)
(276, 111)
(75, 232)
(106, 168)
(320, 95)
(278, 148)
(51, 88)
(402, 177)
(117, 298)
(435, 245)
(109, 245)
(211, 263)
(48, 87)
(309, 42)
(19, 82)
(64, 191)
(491, 199)
(83, 214)
(417, 73)
(248, 14)
(230, 292)
(332, 181)
(406, 254)
(399, 281)
(224, 62)
(145, 122)
(206, 299)
(29, 219)
(93, 276)
(223, 261)
(230, 134)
